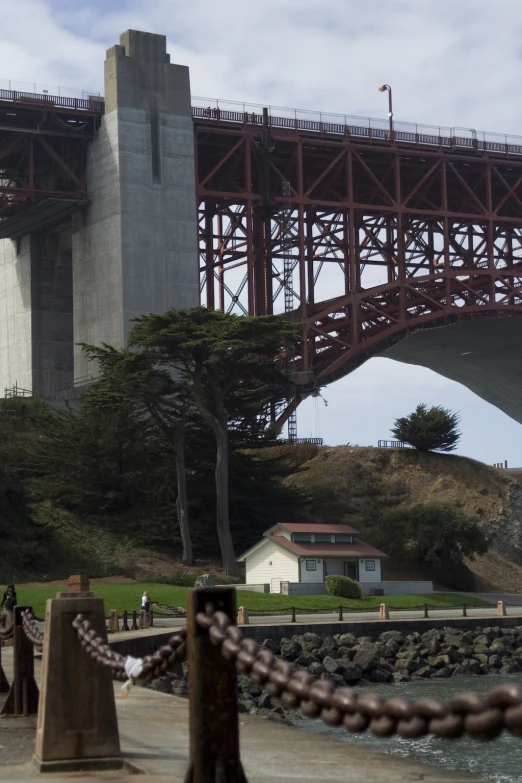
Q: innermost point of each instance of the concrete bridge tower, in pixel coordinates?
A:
(131, 250)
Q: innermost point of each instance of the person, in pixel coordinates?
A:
(146, 604)
(9, 600)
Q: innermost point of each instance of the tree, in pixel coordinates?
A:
(428, 429)
(433, 533)
(132, 381)
(229, 364)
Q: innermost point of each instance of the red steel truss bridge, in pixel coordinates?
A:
(388, 234)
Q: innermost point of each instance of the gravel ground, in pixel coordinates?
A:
(17, 738)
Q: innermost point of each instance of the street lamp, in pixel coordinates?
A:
(387, 88)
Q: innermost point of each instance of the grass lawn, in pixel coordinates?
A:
(128, 596)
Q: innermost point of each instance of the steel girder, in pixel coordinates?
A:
(387, 238)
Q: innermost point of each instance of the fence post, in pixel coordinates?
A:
(242, 616)
(134, 620)
(151, 619)
(142, 624)
(23, 695)
(77, 726)
(213, 715)
(4, 685)
(464, 610)
(501, 609)
(384, 613)
(293, 615)
(340, 613)
(426, 610)
(114, 624)
(125, 621)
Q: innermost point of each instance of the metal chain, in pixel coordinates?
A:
(31, 630)
(466, 713)
(153, 665)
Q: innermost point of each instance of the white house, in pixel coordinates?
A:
(306, 553)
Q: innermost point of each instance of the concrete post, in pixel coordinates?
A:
(142, 620)
(23, 695)
(135, 247)
(113, 625)
(242, 616)
(77, 726)
(384, 613)
(501, 609)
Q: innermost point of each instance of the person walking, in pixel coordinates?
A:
(145, 605)
(9, 600)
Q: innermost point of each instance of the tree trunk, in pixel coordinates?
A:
(222, 510)
(181, 503)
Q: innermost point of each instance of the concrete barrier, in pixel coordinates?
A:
(384, 613)
(242, 616)
(501, 609)
(113, 624)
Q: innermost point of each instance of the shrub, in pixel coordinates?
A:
(428, 429)
(453, 574)
(343, 586)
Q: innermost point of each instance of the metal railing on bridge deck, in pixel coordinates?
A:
(88, 103)
(393, 444)
(218, 110)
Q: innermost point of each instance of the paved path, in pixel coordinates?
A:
(154, 739)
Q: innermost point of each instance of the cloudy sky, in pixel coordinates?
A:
(453, 63)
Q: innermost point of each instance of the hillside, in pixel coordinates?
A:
(354, 485)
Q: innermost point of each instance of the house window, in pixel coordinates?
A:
(323, 538)
(311, 565)
(343, 538)
(302, 538)
(370, 565)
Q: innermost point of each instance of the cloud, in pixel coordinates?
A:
(449, 63)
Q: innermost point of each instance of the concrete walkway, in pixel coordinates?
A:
(154, 740)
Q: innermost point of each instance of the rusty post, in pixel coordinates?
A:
(340, 613)
(4, 685)
(213, 714)
(23, 695)
(134, 620)
(125, 621)
(151, 619)
(425, 610)
(293, 614)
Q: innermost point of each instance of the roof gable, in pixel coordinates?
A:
(311, 527)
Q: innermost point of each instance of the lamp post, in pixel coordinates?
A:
(388, 89)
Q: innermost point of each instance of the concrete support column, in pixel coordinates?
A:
(135, 247)
(36, 311)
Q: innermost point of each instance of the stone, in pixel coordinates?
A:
(510, 668)
(459, 671)
(290, 649)
(347, 640)
(401, 677)
(335, 679)
(205, 580)
(440, 673)
(180, 688)
(405, 665)
(482, 658)
(484, 638)
(350, 672)
(316, 669)
(471, 666)
(393, 636)
(379, 675)
(423, 672)
(481, 649)
(305, 659)
(346, 652)
(331, 665)
(78, 584)
(495, 661)
(265, 701)
(162, 684)
(466, 650)
(245, 705)
(391, 648)
(367, 656)
(242, 616)
(311, 641)
(273, 645)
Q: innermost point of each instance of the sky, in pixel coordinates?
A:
(449, 63)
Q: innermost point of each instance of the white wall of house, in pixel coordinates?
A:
(335, 567)
(270, 562)
(367, 575)
(311, 576)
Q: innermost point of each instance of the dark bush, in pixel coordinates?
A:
(343, 586)
(453, 574)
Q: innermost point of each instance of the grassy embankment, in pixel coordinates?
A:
(127, 596)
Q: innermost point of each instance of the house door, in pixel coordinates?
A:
(325, 571)
(350, 569)
(275, 586)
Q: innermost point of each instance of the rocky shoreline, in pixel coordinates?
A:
(345, 659)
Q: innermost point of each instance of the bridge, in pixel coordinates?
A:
(151, 198)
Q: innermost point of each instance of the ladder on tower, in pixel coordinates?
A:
(288, 284)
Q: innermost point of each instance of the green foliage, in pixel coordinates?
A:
(438, 535)
(343, 586)
(428, 429)
(454, 574)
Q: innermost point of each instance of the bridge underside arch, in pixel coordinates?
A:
(483, 355)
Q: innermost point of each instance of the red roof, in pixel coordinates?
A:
(357, 549)
(313, 527)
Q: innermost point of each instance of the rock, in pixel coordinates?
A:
(482, 658)
(346, 652)
(306, 659)
(331, 665)
(392, 636)
(245, 705)
(471, 666)
(423, 672)
(322, 653)
(336, 679)
(405, 665)
(367, 656)
(495, 661)
(290, 649)
(511, 667)
(481, 649)
(311, 641)
(466, 650)
(347, 640)
(205, 580)
(413, 638)
(180, 688)
(316, 669)
(351, 672)
(273, 645)
(391, 649)
(379, 675)
(459, 671)
(440, 673)
(484, 638)
(265, 701)
(401, 677)
(278, 710)
(162, 684)
(433, 646)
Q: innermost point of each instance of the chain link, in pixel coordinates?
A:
(466, 713)
(31, 629)
(154, 665)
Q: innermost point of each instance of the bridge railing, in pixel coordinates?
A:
(218, 110)
(17, 98)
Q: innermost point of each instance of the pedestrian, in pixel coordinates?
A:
(9, 600)
(145, 605)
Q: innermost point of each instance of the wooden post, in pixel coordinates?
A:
(4, 685)
(293, 614)
(23, 695)
(125, 621)
(213, 715)
(340, 613)
(77, 727)
(426, 610)
(501, 609)
(134, 621)
(464, 610)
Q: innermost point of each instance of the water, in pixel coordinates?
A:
(499, 760)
